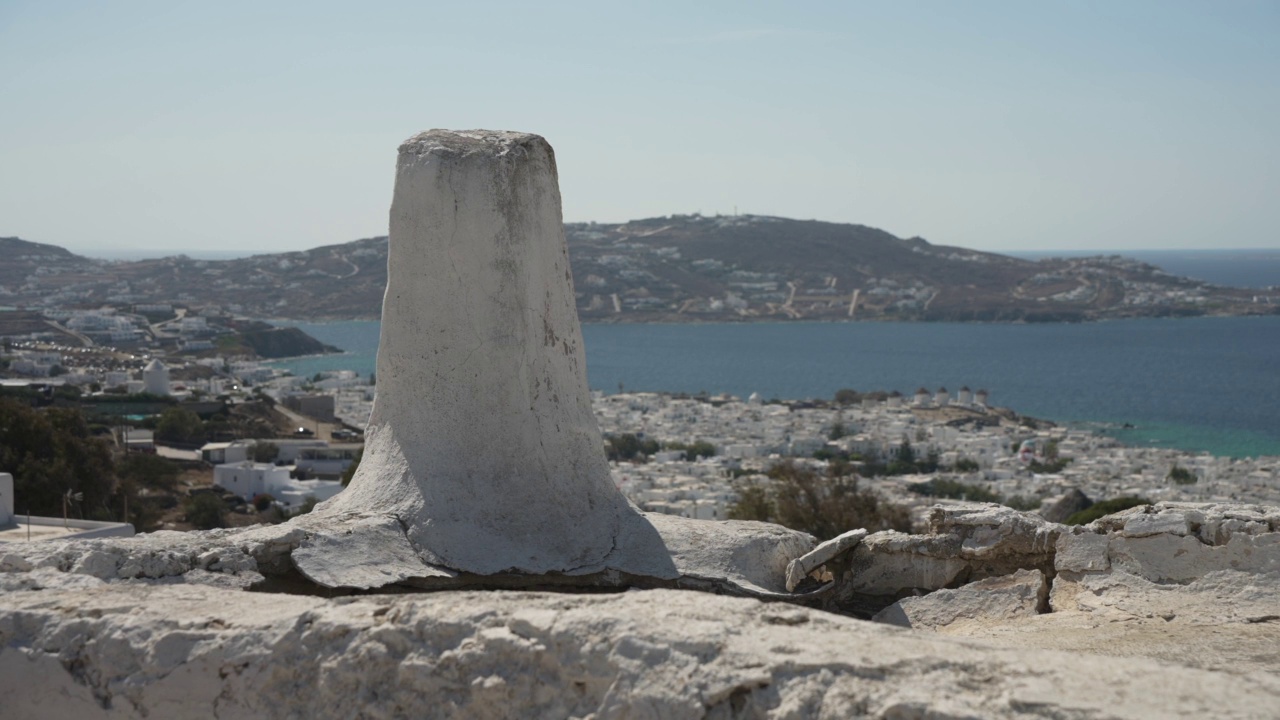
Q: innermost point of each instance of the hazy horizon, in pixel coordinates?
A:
(1223, 266)
(126, 253)
(1001, 126)
(141, 253)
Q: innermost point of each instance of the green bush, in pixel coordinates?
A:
(151, 471)
(263, 452)
(1050, 467)
(837, 431)
(1021, 503)
(822, 505)
(308, 504)
(955, 490)
(1182, 476)
(178, 424)
(693, 451)
(628, 447)
(847, 396)
(350, 472)
(1106, 507)
(206, 511)
(50, 452)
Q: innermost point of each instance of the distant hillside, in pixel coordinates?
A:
(671, 269)
(273, 342)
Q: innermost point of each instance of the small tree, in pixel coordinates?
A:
(692, 451)
(837, 430)
(206, 511)
(1106, 507)
(264, 452)
(905, 454)
(350, 472)
(308, 504)
(956, 490)
(753, 503)
(1181, 476)
(847, 396)
(263, 502)
(178, 424)
(150, 471)
(628, 447)
(1022, 503)
(822, 505)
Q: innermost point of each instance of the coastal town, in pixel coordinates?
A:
(682, 455)
(128, 343)
(640, 360)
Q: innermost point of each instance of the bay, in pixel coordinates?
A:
(1198, 384)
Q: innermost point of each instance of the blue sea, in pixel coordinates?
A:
(1210, 384)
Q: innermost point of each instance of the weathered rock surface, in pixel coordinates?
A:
(987, 601)
(822, 554)
(1190, 584)
(966, 542)
(130, 649)
(160, 626)
(240, 557)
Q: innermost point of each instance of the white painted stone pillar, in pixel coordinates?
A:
(6, 499)
(482, 440)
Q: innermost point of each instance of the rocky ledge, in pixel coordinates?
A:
(1169, 610)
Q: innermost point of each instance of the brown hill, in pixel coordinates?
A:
(670, 269)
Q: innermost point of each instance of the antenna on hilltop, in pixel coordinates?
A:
(67, 497)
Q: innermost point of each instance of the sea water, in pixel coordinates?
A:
(1209, 384)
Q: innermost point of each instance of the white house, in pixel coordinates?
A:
(295, 494)
(116, 378)
(329, 462)
(248, 479)
(221, 453)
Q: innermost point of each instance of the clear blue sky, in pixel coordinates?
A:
(211, 126)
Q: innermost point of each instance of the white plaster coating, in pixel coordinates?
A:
(482, 451)
(375, 554)
(482, 440)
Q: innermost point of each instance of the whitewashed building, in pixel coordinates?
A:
(248, 479)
